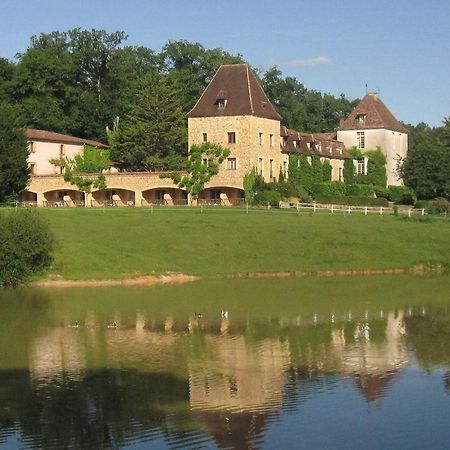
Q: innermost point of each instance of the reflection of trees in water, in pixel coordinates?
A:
(101, 410)
(429, 336)
(232, 378)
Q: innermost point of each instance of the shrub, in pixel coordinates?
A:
(439, 205)
(351, 200)
(381, 191)
(402, 195)
(268, 197)
(26, 246)
(359, 190)
(335, 188)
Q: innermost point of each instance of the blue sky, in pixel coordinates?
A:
(400, 48)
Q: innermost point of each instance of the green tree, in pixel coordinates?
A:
(153, 135)
(203, 163)
(14, 171)
(191, 67)
(91, 161)
(26, 246)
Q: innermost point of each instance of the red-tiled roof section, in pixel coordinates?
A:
(311, 144)
(371, 112)
(50, 136)
(238, 86)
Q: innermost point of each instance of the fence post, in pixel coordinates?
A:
(314, 206)
(201, 209)
(332, 209)
(246, 207)
(409, 212)
(423, 211)
(298, 208)
(349, 209)
(365, 210)
(381, 210)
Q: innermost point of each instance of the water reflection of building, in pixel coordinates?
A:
(239, 377)
(238, 383)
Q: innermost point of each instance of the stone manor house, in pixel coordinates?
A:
(235, 112)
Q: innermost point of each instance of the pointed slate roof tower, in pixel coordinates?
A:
(234, 91)
(371, 113)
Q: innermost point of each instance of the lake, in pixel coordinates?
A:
(324, 363)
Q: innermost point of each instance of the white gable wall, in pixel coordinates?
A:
(393, 144)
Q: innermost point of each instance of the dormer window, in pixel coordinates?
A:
(360, 117)
(221, 103)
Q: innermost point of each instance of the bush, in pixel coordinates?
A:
(268, 197)
(351, 200)
(382, 192)
(334, 188)
(26, 246)
(402, 195)
(359, 190)
(439, 205)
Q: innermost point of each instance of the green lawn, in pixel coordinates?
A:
(119, 243)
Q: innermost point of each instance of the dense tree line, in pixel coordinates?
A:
(83, 83)
(427, 166)
(89, 83)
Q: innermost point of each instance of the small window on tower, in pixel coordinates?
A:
(232, 137)
(221, 103)
(205, 137)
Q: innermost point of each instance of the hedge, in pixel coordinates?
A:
(351, 200)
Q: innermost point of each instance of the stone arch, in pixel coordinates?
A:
(113, 196)
(164, 196)
(222, 195)
(64, 196)
(29, 198)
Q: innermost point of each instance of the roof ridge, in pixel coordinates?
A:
(204, 90)
(249, 92)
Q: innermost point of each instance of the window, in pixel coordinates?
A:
(61, 149)
(360, 117)
(32, 147)
(205, 137)
(33, 168)
(260, 138)
(271, 139)
(361, 166)
(232, 137)
(260, 166)
(284, 168)
(271, 168)
(221, 103)
(360, 138)
(341, 177)
(231, 163)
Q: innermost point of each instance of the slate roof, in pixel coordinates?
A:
(238, 86)
(319, 144)
(50, 136)
(371, 112)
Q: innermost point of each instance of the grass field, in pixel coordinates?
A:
(120, 243)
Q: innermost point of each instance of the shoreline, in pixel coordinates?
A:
(180, 278)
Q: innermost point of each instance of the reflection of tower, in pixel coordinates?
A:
(373, 365)
(56, 355)
(236, 387)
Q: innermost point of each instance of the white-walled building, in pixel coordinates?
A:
(372, 125)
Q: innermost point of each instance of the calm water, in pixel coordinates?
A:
(298, 363)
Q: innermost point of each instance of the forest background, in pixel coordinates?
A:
(90, 84)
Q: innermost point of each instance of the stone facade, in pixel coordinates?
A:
(256, 143)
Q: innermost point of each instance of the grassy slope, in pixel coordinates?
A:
(116, 243)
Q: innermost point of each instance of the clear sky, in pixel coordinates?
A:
(400, 48)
